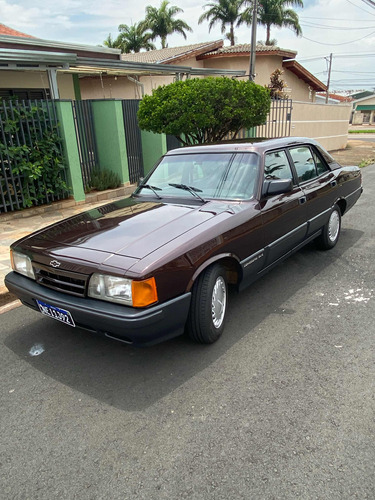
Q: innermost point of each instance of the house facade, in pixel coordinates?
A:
(301, 85)
(364, 109)
(34, 68)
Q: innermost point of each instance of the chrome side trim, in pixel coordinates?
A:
(276, 242)
(353, 193)
(320, 215)
(252, 258)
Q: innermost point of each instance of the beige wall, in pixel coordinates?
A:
(65, 84)
(122, 88)
(327, 123)
(365, 102)
(110, 87)
(23, 80)
(265, 65)
(36, 80)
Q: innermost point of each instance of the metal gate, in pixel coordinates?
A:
(279, 119)
(28, 129)
(133, 139)
(173, 142)
(86, 139)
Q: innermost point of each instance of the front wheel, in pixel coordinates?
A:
(331, 231)
(208, 305)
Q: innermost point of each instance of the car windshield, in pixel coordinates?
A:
(206, 175)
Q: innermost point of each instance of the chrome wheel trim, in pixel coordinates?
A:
(218, 302)
(333, 226)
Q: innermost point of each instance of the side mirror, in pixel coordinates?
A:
(140, 180)
(278, 186)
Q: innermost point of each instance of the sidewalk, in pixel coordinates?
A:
(15, 225)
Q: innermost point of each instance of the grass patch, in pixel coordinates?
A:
(366, 162)
(104, 179)
(367, 131)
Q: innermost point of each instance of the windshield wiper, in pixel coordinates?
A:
(153, 189)
(194, 191)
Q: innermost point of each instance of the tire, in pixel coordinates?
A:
(331, 231)
(208, 306)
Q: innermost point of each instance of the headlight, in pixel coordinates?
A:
(123, 290)
(22, 264)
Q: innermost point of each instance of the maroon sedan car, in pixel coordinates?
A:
(149, 267)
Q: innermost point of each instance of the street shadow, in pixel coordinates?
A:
(132, 378)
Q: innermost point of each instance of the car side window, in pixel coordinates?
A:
(321, 167)
(276, 166)
(304, 163)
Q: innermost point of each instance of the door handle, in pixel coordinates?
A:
(302, 200)
(333, 183)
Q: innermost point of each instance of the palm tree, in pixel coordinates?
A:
(224, 12)
(109, 42)
(276, 13)
(134, 38)
(161, 23)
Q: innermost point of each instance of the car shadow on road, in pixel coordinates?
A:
(133, 379)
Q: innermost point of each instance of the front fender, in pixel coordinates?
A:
(211, 261)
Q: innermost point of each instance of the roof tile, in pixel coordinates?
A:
(172, 53)
(244, 48)
(5, 30)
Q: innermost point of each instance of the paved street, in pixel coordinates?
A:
(281, 407)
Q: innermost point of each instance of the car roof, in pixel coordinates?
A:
(235, 147)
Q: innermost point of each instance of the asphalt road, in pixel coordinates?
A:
(281, 407)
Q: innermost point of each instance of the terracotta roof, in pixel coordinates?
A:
(5, 30)
(244, 49)
(305, 75)
(173, 54)
(341, 98)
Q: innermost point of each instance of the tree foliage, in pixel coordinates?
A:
(204, 110)
(31, 152)
(275, 13)
(132, 38)
(161, 22)
(225, 12)
(277, 85)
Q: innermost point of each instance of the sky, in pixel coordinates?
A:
(345, 28)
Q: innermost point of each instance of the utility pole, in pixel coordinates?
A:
(253, 41)
(329, 76)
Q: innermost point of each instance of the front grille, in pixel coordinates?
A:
(60, 280)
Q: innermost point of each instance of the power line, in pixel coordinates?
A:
(337, 44)
(354, 72)
(338, 56)
(335, 19)
(364, 10)
(370, 3)
(328, 27)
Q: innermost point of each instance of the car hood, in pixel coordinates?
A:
(130, 227)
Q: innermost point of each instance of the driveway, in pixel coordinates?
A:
(281, 407)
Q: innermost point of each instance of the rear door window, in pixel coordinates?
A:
(276, 166)
(304, 163)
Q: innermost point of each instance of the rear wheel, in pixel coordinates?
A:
(208, 305)
(331, 231)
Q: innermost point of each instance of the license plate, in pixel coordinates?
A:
(56, 313)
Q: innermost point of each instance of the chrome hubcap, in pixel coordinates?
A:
(333, 226)
(218, 302)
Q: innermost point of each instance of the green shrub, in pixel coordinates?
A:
(366, 162)
(31, 153)
(104, 179)
(204, 110)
